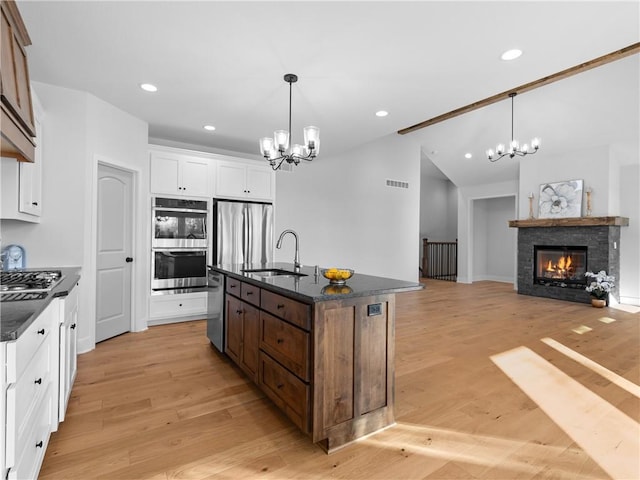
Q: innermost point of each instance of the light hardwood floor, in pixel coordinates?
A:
(163, 404)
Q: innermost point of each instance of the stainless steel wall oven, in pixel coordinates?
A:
(178, 269)
(179, 245)
(179, 223)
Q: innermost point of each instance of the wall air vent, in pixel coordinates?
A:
(397, 183)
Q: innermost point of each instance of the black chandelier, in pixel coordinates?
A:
(514, 146)
(276, 150)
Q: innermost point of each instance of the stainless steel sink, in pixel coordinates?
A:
(274, 272)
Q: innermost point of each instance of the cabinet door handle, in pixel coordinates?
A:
(233, 286)
(38, 381)
(39, 444)
(41, 332)
(180, 305)
(279, 306)
(279, 340)
(238, 312)
(279, 386)
(128, 259)
(249, 293)
(35, 204)
(73, 326)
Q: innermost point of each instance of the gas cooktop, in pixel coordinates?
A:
(27, 285)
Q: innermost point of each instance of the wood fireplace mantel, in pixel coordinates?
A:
(571, 222)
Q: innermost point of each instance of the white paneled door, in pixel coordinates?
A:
(114, 252)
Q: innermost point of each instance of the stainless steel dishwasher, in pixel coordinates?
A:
(215, 308)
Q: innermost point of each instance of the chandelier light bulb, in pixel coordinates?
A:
(281, 139)
(266, 146)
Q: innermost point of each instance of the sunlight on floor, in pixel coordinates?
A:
(582, 329)
(596, 367)
(454, 446)
(606, 320)
(607, 435)
(624, 307)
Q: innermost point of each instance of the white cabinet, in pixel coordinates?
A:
(68, 352)
(244, 181)
(178, 174)
(185, 306)
(29, 388)
(22, 181)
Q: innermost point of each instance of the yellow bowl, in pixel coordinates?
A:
(337, 276)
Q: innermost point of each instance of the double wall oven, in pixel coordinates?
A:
(179, 245)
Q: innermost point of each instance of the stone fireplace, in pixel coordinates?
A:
(554, 254)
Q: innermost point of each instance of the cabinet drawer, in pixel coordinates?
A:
(178, 305)
(250, 293)
(292, 311)
(21, 351)
(26, 394)
(286, 390)
(286, 343)
(37, 438)
(233, 286)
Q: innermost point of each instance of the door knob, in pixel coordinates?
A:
(128, 259)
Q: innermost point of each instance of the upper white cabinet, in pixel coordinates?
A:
(244, 181)
(178, 174)
(22, 181)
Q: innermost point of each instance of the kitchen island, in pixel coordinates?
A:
(323, 353)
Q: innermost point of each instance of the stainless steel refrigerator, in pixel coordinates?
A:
(242, 234)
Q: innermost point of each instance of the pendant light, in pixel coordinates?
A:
(276, 150)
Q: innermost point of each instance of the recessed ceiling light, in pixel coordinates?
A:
(382, 113)
(511, 54)
(467, 155)
(147, 87)
(211, 128)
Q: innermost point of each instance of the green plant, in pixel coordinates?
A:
(601, 284)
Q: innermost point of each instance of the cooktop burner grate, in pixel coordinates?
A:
(14, 297)
(23, 281)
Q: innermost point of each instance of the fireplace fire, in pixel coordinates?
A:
(560, 266)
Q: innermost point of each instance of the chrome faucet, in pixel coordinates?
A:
(296, 260)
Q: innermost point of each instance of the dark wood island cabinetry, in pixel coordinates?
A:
(325, 359)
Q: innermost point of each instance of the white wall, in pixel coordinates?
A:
(494, 243)
(591, 165)
(626, 159)
(345, 214)
(438, 209)
(612, 172)
(78, 128)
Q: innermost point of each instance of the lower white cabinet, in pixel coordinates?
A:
(177, 306)
(68, 353)
(29, 394)
(36, 373)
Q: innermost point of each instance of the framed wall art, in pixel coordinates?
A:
(560, 199)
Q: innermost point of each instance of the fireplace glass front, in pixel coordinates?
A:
(560, 266)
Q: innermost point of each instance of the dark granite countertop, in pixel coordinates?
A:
(15, 317)
(311, 288)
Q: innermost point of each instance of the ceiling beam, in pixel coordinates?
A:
(583, 67)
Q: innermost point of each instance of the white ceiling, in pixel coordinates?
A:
(222, 63)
